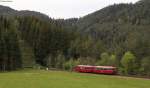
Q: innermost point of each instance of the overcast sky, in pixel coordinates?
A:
(63, 8)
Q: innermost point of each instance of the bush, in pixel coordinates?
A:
(145, 66)
(128, 62)
(69, 65)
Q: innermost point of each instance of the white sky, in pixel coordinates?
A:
(62, 8)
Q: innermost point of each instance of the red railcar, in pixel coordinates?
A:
(84, 68)
(95, 69)
(105, 70)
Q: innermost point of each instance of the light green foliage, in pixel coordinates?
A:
(69, 65)
(113, 60)
(128, 62)
(104, 59)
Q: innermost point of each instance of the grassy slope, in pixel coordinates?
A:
(58, 79)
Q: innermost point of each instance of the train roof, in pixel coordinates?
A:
(96, 66)
(85, 66)
(105, 67)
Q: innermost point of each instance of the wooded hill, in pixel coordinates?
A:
(117, 35)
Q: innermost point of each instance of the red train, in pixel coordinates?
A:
(95, 69)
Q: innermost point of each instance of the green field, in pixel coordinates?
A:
(60, 79)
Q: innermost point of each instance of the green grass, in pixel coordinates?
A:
(60, 79)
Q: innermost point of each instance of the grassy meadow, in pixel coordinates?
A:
(61, 79)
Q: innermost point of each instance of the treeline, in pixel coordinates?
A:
(10, 56)
(112, 36)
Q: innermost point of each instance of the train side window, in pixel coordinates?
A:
(99, 68)
(104, 69)
(110, 69)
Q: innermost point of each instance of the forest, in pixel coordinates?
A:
(117, 35)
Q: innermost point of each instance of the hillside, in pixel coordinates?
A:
(116, 35)
(120, 27)
(137, 13)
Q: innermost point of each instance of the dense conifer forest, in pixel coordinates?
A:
(117, 35)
